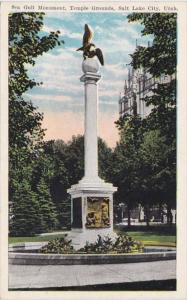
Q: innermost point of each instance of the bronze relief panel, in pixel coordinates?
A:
(98, 215)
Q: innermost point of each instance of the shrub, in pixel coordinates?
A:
(58, 246)
(122, 244)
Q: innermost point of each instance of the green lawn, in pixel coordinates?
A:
(147, 238)
(13, 240)
(152, 238)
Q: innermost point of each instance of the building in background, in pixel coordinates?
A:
(137, 87)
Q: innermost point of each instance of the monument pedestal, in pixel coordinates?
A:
(92, 197)
(91, 211)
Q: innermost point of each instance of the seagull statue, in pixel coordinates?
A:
(88, 48)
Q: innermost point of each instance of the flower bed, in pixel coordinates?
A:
(106, 245)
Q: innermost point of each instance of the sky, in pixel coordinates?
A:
(61, 96)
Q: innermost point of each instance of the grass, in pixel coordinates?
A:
(46, 238)
(146, 237)
(152, 238)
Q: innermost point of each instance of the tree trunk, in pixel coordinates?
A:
(147, 214)
(169, 215)
(129, 216)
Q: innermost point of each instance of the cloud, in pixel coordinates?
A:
(62, 90)
(51, 97)
(56, 73)
(60, 17)
(64, 32)
(72, 35)
(48, 29)
(106, 102)
(116, 70)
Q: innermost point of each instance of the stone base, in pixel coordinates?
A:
(79, 238)
(92, 185)
(92, 211)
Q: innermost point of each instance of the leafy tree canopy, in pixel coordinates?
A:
(145, 158)
(26, 43)
(160, 58)
(30, 170)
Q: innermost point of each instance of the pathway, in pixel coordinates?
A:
(31, 276)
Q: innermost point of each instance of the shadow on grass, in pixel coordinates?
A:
(152, 229)
(154, 285)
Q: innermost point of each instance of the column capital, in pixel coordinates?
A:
(89, 76)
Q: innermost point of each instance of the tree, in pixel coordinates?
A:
(142, 171)
(159, 60)
(68, 169)
(152, 161)
(59, 181)
(47, 208)
(26, 218)
(157, 178)
(26, 43)
(105, 160)
(74, 159)
(126, 162)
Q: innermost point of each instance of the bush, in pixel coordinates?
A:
(58, 246)
(122, 244)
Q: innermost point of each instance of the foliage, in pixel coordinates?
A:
(47, 208)
(160, 58)
(126, 162)
(68, 169)
(26, 43)
(145, 158)
(157, 177)
(121, 244)
(105, 160)
(24, 125)
(27, 191)
(74, 159)
(152, 154)
(26, 219)
(32, 208)
(163, 114)
(144, 174)
(58, 246)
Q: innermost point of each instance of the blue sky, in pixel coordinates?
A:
(61, 97)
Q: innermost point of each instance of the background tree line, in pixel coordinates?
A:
(145, 157)
(143, 164)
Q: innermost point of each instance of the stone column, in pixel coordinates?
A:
(90, 80)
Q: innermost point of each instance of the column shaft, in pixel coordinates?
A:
(91, 123)
(91, 144)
